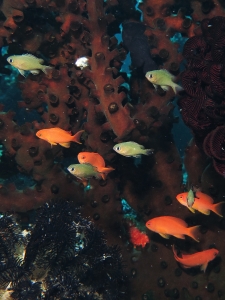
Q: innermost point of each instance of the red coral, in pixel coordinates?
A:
(137, 237)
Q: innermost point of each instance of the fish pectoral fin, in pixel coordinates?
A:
(34, 72)
(191, 209)
(165, 87)
(204, 211)
(22, 72)
(155, 86)
(204, 266)
(65, 145)
(164, 235)
(179, 236)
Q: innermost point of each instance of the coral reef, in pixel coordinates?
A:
(62, 257)
(96, 98)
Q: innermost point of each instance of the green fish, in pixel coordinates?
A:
(28, 62)
(84, 171)
(190, 198)
(131, 149)
(164, 79)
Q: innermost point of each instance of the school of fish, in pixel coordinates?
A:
(92, 165)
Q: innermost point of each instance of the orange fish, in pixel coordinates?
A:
(203, 203)
(94, 159)
(201, 258)
(167, 225)
(59, 136)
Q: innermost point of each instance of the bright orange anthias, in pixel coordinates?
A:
(167, 225)
(201, 258)
(59, 136)
(137, 237)
(94, 159)
(203, 203)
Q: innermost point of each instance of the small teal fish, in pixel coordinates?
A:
(84, 171)
(28, 62)
(131, 149)
(164, 79)
(190, 198)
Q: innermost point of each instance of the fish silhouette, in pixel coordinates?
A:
(137, 44)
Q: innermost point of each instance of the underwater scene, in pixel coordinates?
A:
(112, 149)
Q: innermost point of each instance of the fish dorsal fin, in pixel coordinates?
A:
(40, 60)
(171, 76)
(30, 55)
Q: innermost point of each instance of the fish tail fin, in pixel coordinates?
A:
(76, 137)
(217, 208)
(193, 232)
(148, 151)
(177, 88)
(46, 69)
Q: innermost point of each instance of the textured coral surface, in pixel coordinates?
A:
(96, 98)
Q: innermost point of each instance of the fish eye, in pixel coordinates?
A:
(118, 148)
(72, 169)
(150, 75)
(10, 60)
